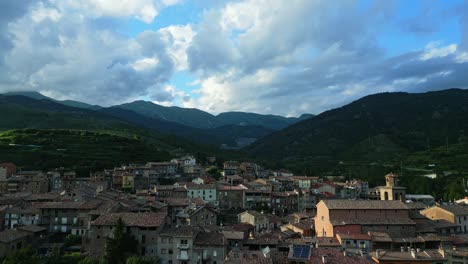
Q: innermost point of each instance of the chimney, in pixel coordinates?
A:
(442, 251)
(413, 253)
(324, 259)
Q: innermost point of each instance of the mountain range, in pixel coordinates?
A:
(377, 128)
(229, 130)
(383, 128)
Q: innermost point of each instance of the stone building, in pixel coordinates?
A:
(391, 190)
(362, 216)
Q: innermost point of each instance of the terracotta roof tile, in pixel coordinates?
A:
(132, 219)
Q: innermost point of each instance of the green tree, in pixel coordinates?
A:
(120, 246)
(23, 256)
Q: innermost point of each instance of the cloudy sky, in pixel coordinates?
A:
(266, 56)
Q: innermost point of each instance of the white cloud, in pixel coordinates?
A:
(75, 60)
(268, 56)
(144, 10)
(171, 2)
(40, 12)
(462, 57)
(435, 50)
(145, 64)
(178, 39)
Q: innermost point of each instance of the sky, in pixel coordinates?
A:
(265, 56)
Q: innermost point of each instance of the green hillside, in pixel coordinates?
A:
(47, 149)
(382, 129)
(199, 119)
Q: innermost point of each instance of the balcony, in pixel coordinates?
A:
(183, 246)
(183, 256)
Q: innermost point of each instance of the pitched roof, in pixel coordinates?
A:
(201, 187)
(32, 228)
(210, 239)
(132, 219)
(455, 209)
(426, 255)
(187, 231)
(372, 221)
(364, 204)
(239, 187)
(68, 205)
(181, 201)
(10, 235)
(247, 257)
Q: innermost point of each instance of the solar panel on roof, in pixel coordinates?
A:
(301, 251)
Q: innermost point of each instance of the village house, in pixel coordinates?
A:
(176, 245)
(27, 181)
(209, 247)
(176, 205)
(303, 182)
(455, 214)
(204, 180)
(284, 203)
(197, 215)
(230, 196)
(7, 170)
(361, 216)
(144, 227)
(260, 221)
(207, 192)
(63, 217)
(304, 227)
(355, 243)
(230, 167)
(21, 215)
(307, 199)
(233, 180)
(256, 199)
(12, 240)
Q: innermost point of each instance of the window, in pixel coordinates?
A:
(163, 251)
(171, 252)
(215, 253)
(164, 240)
(183, 241)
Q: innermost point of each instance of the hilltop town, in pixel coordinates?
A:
(180, 211)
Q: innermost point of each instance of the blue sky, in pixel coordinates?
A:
(265, 56)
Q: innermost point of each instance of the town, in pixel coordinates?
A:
(180, 211)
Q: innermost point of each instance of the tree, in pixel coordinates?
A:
(23, 256)
(120, 246)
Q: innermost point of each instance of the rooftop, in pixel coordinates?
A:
(426, 255)
(338, 204)
(10, 235)
(32, 228)
(247, 257)
(132, 219)
(210, 239)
